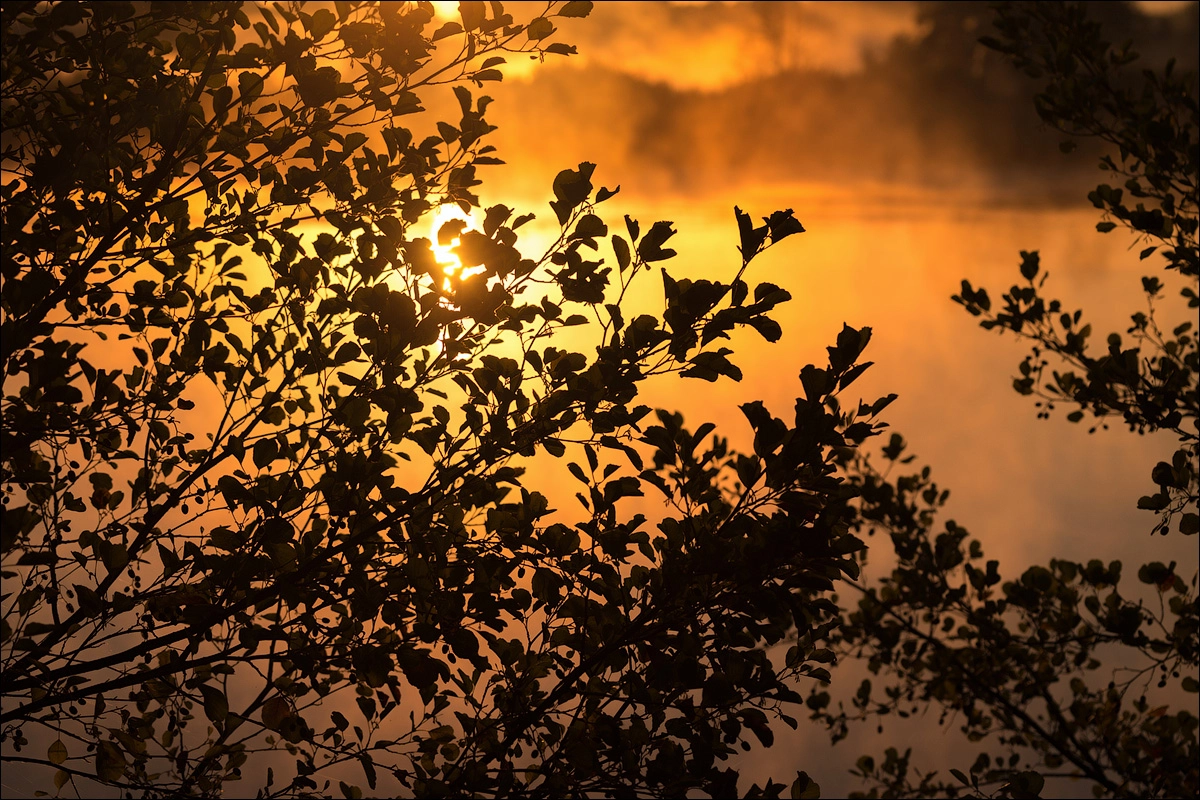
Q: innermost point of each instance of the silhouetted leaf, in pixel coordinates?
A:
(216, 706)
(110, 761)
(576, 8)
(539, 28)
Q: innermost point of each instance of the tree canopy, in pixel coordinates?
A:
(274, 382)
(266, 514)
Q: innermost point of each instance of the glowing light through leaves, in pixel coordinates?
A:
(448, 222)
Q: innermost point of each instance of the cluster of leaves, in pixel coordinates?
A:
(1026, 661)
(1060, 669)
(1151, 380)
(263, 491)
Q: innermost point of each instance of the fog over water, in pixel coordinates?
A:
(703, 99)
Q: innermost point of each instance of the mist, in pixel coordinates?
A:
(699, 100)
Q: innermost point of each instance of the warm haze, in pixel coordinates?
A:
(913, 158)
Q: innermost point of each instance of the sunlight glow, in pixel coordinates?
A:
(446, 9)
(1162, 8)
(445, 256)
(444, 253)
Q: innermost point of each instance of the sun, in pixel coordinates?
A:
(444, 254)
(446, 10)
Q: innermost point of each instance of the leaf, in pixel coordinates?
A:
(1155, 502)
(264, 452)
(1029, 264)
(110, 761)
(170, 561)
(368, 768)
(770, 330)
(590, 226)
(621, 250)
(782, 224)
(216, 705)
(650, 248)
(321, 23)
(275, 711)
(764, 733)
(739, 291)
(373, 665)
(367, 706)
(463, 643)
(571, 188)
(539, 29)
(804, 787)
(711, 365)
(57, 752)
(576, 8)
(473, 13)
(449, 29)
(752, 239)
(821, 674)
(114, 555)
(1027, 785)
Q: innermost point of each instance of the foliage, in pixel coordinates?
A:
(1058, 667)
(266, 508)
(1028, 662)
(1152, 124)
